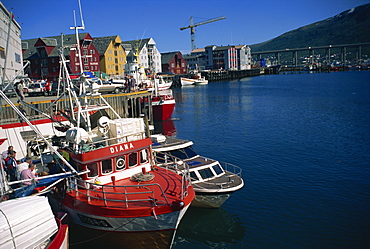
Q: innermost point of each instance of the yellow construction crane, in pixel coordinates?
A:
(193, 25)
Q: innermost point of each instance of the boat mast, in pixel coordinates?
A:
(76, 28)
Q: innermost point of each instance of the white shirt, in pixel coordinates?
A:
(22, 166)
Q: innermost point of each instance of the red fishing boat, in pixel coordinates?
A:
(118, 191)
(163, 104)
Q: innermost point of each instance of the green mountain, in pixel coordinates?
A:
(348, 27)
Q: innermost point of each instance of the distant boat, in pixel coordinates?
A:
(196, 79)
(163, 104)
(213, 181)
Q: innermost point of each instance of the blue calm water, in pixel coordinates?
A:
(303, 142)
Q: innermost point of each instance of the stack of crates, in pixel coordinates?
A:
(126, 130)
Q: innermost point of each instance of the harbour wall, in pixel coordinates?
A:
(219, 75)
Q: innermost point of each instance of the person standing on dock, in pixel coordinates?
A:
(19, 90)
(127, 83)
(132, 83)
(47, 88)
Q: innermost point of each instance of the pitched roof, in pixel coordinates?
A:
(102, 43)
(223, 48)
(198, 50)
(137, 44)
(166, 57)
(68, 40)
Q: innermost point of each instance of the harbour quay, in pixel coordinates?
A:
(219, 75)
(128, 105)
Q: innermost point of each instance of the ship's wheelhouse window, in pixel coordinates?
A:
(190, 152)
(132, 159)
(120, 163)
(217, 168)
(193, 176)
(205, 173)
(93, 167)
(143, 156)
(184, 153)
(107, 166)
(179, 153)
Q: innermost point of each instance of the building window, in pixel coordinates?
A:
(45, 71)
(17, 58)
(2, 53)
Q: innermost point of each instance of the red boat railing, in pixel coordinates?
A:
(129, 195)
(115, 196)
(170, 162)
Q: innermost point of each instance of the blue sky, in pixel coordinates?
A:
(247, 21)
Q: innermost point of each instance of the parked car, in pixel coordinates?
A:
(9, 92)
(36, 89)
(108, 87)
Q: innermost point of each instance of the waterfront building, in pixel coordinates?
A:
(144, 53)
(173, 62)
(196, 60)
(112, 54)
(244, 57)
(43, 53)
(220, 58)
(10, 44)
(224, 58)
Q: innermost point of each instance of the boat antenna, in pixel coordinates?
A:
(76, 28)
(81, 17)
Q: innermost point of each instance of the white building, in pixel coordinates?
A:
(145, 53)
(10, 45)
(244, 57)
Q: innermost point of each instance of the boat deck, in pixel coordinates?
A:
(165, 188)
(171, 142)
(229, 182)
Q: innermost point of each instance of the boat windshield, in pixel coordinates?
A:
(206, 173)
(217, 168)
(186, 153)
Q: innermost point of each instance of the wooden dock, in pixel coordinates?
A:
(127, 105)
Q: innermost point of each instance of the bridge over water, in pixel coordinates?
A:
(312, 51)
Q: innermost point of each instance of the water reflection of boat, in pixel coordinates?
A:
(209, 227)
(165, 127)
